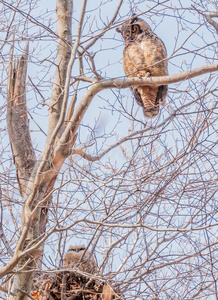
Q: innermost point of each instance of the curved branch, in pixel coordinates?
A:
(125, 83)
(157, 81)
(211, 21)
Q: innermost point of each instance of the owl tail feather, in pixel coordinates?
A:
(146, 97)
(149, 98)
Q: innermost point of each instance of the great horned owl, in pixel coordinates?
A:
(144, 55)
(73, 259)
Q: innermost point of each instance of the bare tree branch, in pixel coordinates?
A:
(2, 235)
(147, 211)
(211, 21)
(124, 83)
(64, 24)
(157, 81)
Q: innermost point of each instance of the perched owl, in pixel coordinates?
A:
(144, 55)
(73, 256)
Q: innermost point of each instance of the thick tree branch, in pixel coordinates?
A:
(157, 81)
(211, 21)
(18, 124)
(56, 119)
(64, 23)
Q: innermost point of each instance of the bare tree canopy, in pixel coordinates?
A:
(81, 165)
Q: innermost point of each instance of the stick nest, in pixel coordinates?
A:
(68, 286)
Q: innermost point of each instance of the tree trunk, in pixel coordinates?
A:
(36, 180)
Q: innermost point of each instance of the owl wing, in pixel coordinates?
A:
(162, 94)
(137, 96)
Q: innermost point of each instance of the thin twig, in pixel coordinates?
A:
(63, 287)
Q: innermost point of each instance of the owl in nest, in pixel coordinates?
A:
(73, 259)
(144, 55)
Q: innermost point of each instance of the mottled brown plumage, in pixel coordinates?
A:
(144, 55)
(73, 259)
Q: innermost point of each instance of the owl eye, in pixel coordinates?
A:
(135, 28)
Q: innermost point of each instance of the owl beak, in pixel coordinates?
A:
(118, 29)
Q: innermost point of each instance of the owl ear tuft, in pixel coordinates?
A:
(133, 18)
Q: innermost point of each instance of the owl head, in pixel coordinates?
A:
(79, 257)
(133, 28)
